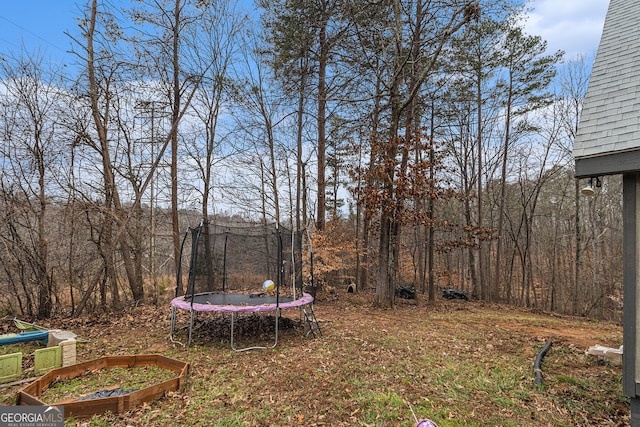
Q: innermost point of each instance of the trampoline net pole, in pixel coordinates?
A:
(179, 272)
(224, 261)
(191, 281)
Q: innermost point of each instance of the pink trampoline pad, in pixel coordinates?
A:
(238, 303)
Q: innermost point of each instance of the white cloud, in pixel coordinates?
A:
(574, 26)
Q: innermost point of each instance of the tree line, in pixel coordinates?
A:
(423, 143)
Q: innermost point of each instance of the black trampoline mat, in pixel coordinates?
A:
(236, 299)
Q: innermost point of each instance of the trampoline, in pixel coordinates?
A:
(241, 303)
(219, 256)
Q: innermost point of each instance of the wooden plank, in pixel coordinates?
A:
(146, 395)
(147, 359)
(171, 364)
(27, 399)
(88, 408)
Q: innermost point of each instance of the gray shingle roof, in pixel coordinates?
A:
(610, 121)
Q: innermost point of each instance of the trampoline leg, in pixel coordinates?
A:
(190, 327)
(233, 321)
(277, 323)
(173, 327)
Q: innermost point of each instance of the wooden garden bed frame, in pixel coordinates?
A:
(116, 404)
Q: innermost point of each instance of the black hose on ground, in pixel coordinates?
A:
(538, 362)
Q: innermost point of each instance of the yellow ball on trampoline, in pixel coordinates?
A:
(268, 285)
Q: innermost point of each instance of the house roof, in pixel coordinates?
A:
(608, 138)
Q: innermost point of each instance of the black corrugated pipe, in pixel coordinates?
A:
(538, 362)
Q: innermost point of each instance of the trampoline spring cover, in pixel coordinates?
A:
(235, 303)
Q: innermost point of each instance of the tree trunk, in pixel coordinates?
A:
(112, 200)
(322, 103)
(299, 166)
(42, 270)
(273, 171)
(175, 117)
(299, 224)
(385, 295)
(368, 210)
(502, 201)
(480, 242)
(431, 213)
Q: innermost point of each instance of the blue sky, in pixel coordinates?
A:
(574, 26)
(39, 24)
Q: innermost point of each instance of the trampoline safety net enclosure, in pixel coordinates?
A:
(224, 257)
(228, 265)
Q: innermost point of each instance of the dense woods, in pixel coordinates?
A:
(422, 143)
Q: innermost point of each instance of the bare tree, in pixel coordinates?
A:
(31, 150)
(573, 84)
(528, 73)
(261, 113)
(213, 46)
(102, 68)
(162, 50)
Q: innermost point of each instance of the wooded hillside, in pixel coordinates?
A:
(422, 143)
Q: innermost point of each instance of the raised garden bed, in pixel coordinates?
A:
(33, 393)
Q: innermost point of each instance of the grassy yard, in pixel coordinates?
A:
(456, 363)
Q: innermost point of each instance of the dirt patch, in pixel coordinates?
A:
(570, 335)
